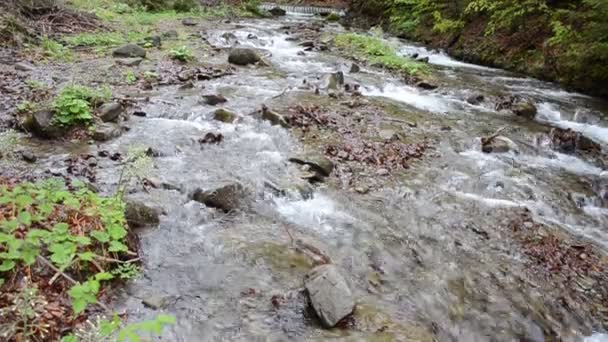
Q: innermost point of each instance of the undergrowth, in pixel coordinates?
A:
(73, 104)
(376, 51)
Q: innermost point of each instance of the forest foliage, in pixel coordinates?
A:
(566, 41)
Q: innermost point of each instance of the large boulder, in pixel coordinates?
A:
(129, 50)
(242, 56)
(330, 295)
(526, 109)
(226, 198)
(274, 118)
(140, 215)
(110, 111)
(41, 125)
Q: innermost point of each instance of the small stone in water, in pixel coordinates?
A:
(382, 172)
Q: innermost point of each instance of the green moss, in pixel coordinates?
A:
(333, 17)
(376, 51)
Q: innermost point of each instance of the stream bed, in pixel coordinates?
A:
(429, 251)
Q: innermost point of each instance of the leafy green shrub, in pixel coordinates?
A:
(55, 50)
(96, 39)
(40, 225)
(182, 54)
(130, 77)
(114, 331)
(163, 5)
(444, 25)
(73, 104)
(333, 17)
(376, 51)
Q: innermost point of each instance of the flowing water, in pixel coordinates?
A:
(412, 251)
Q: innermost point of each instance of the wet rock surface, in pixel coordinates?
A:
(140, 215)
(431, 232)
(243, 56)
(129, 50)
(330, 295)
(227, 198)
(42, 125)
(110, 111)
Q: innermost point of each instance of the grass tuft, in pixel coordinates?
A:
(376, 51)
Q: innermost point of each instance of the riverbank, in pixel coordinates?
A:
(550, 42)
(452, 201)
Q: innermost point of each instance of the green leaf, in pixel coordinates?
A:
(24, 201)
(9, 226)
(79, 304)
(62, 253)
(100, 236)
(72, 203)
(29, 253)
(61, 228)
(69, 338)
(103, 276)
(117, 246)
(5, 237)
(117, 231)
(25, 218)
(87, 256)
(81, 240)
(7, 265)
(107, 328)
(35, 235)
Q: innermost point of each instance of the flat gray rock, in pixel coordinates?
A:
(329, 294)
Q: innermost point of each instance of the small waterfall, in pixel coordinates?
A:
(302, 9)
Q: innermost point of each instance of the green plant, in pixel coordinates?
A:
(39, 226)
(9, 142)
(130, 77)
(182, 54)
(504, 13)
(127, 271)
(376, 51)
(136, 167)
(73, 104)
(26, 107)
(151, 76)
(444, 25)
(102, 330)
(35, 85)
(333, 17)
(96, 39)
(54, 50)
(23, 314)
